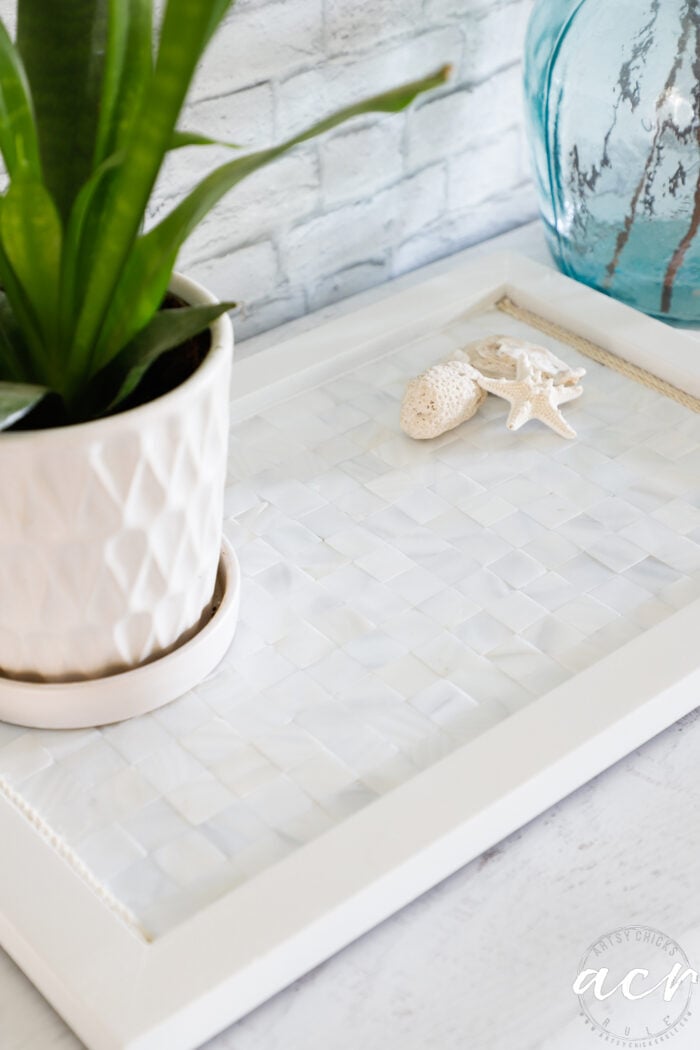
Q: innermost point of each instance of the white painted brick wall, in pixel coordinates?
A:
(359, 161)
(376, 197)
(373, 198)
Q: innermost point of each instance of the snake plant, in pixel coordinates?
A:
(90, 98)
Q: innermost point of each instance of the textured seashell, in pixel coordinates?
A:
(498, 357)
(441, 398)
(533, 394)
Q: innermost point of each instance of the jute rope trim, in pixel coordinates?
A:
(71, 858)
(598, 354)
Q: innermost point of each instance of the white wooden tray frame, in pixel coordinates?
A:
(119, 992)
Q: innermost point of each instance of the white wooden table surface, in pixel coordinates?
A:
(486, 960)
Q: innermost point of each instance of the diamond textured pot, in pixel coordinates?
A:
(613, 104)
(111, 531)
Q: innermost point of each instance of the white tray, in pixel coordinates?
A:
(437, 641)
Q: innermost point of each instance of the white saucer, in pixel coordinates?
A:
(99, 701)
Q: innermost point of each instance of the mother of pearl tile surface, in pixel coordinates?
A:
(399, 598)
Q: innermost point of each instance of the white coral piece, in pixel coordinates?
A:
(498, 357)
(440, 399)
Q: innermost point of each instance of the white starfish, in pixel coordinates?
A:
(533, 395)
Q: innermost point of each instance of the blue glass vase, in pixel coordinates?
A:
(613, 105)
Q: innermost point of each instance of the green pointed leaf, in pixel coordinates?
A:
(167, 329)
(183, 219)
(218, 10)
(18, 138)
(128, 72)
(13, 351)
(62, 46)
(193, 138)
(82, 227)
(16, 400)
(23, 312)
(31, 235)
(148, 271)
(182, 39)
(118, 21)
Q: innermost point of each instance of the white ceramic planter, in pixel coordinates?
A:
(110, 531)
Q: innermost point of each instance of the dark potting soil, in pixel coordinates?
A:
(173, 367)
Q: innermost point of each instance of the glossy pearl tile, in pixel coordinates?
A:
(399, 598)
